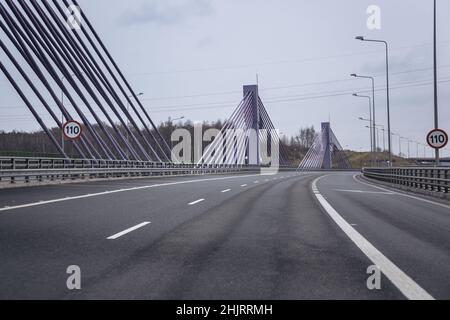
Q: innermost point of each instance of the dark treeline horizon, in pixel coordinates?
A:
(38, 144)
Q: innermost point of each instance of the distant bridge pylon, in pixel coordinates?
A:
(325, 153)
(247, 137)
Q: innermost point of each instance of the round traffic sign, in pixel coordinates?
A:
(437, 139)
(72, 130)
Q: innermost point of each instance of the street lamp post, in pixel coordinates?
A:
(409, 154)
(393, 134)
(176, 119)
(384, 140)
(376, 130)
(170, 122)
(378, 139)
(400, 145)
(374, 143)
(370, 130)
(417, 150)
(387, 92)
(370, 121)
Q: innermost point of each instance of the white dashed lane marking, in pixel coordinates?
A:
(195, 202)
(124, 232)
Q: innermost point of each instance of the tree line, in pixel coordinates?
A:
(37, 143)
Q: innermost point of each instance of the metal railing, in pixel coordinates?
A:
(420, 178)
(15, 169)
(17, 163)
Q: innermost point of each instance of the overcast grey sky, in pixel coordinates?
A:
(191, 57)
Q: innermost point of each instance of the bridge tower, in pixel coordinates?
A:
(254, 157)
(326, 145)
(325, 152)
(255, 139)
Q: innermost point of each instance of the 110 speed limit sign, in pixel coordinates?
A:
(72, 130)
(437, 139)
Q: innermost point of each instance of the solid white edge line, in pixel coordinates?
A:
(400, 193)
(402, 281)
(67, 198)
(124, 232)
(362, 191)
(195, 202)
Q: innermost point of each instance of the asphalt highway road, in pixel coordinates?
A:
(287, 236)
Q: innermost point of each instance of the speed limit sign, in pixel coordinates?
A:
(437, 139)
(72, 130)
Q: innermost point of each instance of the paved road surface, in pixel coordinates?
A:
(223, 237)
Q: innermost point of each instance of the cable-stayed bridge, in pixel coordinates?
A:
(78, 65)
(232, 234)
(325, 152)
(75, 62)
(248, 137)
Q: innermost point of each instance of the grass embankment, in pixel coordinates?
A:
(364, 159)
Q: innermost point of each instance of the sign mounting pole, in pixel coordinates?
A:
(436, 118)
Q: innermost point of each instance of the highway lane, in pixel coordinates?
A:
(35, 236)
(29, 194)
(38, 241)
(412, 231)
(252, 237)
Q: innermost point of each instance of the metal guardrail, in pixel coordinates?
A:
(24, 169)
(15, 163)
(13, 169)
(421, 178)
